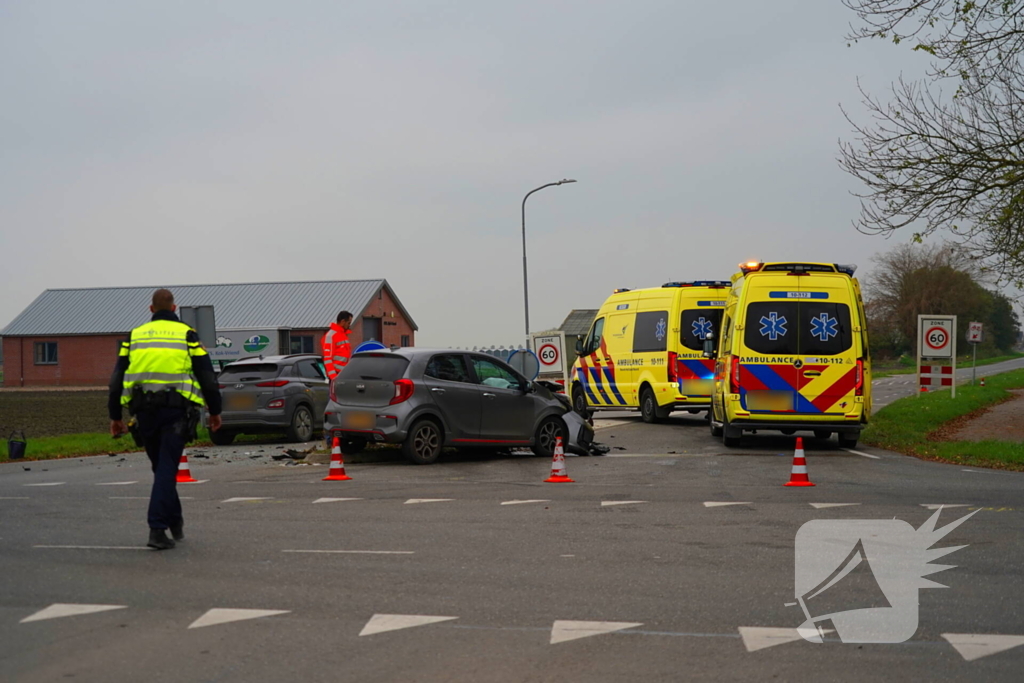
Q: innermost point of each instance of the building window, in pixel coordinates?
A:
(302, 343)
(46, 353)
(405, 340)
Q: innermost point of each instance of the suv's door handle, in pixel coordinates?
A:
(490, 395)
(438, 390)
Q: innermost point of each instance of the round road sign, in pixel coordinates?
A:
(548, 354)
(936, 338)
(525, 362)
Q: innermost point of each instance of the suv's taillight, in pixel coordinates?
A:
(403, 391)
(734, 376)
(859, 386)
(673, 371)
(273, 383)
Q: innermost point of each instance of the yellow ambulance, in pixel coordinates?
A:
(645, 350)
(793, 353)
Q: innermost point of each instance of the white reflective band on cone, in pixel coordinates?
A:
(799, 469)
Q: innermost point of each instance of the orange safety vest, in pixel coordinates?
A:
(336, 350)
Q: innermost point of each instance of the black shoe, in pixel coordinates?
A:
(178, 532)
(158, 540)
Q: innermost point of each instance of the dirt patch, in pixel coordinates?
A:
(53, 413)
(1001, 422)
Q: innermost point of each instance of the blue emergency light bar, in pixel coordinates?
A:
(699, 283)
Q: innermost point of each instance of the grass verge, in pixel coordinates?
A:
(914, 425)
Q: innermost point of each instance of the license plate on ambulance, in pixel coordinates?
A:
(770, 400)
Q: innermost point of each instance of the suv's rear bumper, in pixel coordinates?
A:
(844, 426)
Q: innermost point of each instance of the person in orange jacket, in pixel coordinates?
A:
(336, 349)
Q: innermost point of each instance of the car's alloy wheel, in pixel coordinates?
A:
(301, 428)
(423, 445)
(547, 436)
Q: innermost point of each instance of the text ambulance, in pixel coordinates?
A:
(793, 353)
(645, 350)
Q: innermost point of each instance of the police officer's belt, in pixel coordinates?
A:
(150, 400)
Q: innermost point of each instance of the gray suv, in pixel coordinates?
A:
(272, 394)
(426, 399)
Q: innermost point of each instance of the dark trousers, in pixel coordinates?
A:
(163, 433)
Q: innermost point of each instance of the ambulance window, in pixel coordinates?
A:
(824, 328)
(772, 328)
(594, 340)
(650, 332)
(726, 342)
(695, 325)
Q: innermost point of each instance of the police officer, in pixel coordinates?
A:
(163, 374)
(336, 348)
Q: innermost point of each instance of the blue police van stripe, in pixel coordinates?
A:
(798, 295)
(611, 384)
(581, 375)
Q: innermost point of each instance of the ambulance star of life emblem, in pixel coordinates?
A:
(660, 329)
(860, 578)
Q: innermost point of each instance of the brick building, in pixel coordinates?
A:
(69, 337)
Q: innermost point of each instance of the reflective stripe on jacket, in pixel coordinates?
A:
(160, 357)
(336, 350)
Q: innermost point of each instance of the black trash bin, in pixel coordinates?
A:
(16, 445)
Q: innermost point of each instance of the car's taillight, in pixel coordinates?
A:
(334, 396)
(222, 386)
(403, 391)
(673, 371)
(859, 387)
(734, 376)
(272, 383)
(276, 403)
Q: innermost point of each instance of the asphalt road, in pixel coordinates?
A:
(487, 588)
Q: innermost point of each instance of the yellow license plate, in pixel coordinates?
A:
(359, 420)
(239, 402)
(770, 400)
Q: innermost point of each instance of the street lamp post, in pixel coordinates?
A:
(526, 287)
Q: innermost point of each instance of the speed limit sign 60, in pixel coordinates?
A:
(936, 336)
(548, 354)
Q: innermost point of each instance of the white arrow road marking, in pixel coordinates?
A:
(563, 631)
(866, 455)
(819, 506)
(381, 623)
(520, 502)
(60, 609)
(758, 638)
(332, 500)
(973, 646)
(224, 616)
(243, 500)
(413, 501)
(49, 483)
(936, 506)
(606, 503)
(116, 483)
(712, 504)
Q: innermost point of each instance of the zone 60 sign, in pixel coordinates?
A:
(936, 336)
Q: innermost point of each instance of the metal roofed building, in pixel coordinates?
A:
(578, 322)
(69, 337)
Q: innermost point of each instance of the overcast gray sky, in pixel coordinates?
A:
(207, 142)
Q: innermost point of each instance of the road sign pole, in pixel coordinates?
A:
(974, 365)
(920, 331)
(953, 359)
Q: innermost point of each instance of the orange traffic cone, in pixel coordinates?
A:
(337, 471)
(799, 475)
(184, 475)
(558, 475)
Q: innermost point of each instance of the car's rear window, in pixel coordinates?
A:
(249, 371)
(387, 367)
(798, 328)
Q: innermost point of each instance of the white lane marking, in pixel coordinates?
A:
(713, 504)
(866, 455)
(61, 609)
(116, 483)
(333, 500)
(244, 500)
(936, 506)
(49, 483)
(143, 498)
(200, 481)
(220, 615)
(563, 631)
(973, 646)
(606, 503)
(567, 556)
(382, 623)
(819, 506)
(658, 455)
(94, 547)
(414, 501)
(979, 471)
(605, 424)
(758, 638)
(355, 552)
(521, 502)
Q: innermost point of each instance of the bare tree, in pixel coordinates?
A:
(935, 160)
